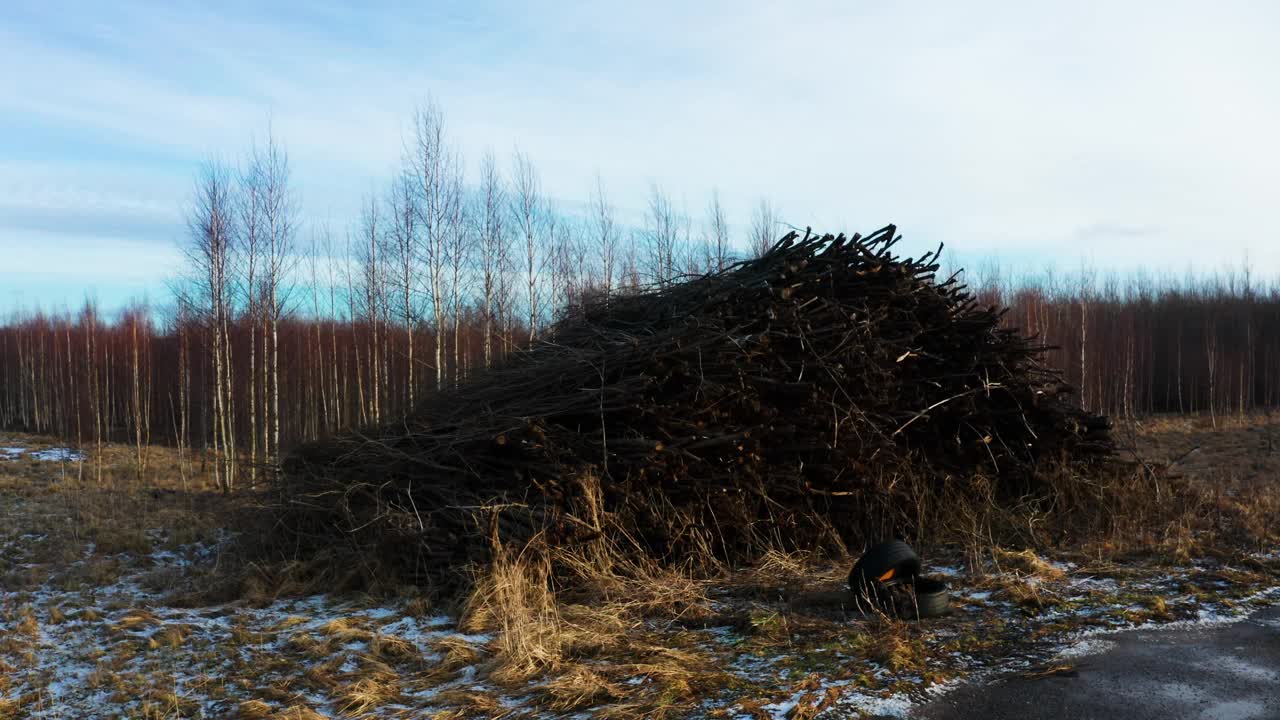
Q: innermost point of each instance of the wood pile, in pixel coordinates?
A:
(764, 404)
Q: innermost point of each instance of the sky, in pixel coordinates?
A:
(1113, 134)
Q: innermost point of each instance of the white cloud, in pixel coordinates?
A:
(1032, 129)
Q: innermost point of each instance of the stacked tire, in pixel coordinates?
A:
(887, 579)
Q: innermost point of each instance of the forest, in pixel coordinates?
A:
(280, 333)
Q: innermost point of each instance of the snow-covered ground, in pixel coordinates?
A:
(101, 634)
(56, 454)
(76, 650)
(94, 629)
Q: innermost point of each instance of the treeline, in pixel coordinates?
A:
(145, 377)
(1212, 346)
(273, 338)
(1209, 345)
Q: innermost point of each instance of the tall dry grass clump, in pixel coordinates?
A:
(513, 598)
(573, 620)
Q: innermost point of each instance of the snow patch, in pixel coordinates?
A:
(1085, 648)
(780, 710)
(945, 571)
(58, 454)
(897, 706)
(211, 640)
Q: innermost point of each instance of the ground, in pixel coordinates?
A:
(115, 602)
(1215, 671)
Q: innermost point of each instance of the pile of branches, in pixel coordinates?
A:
(778, 402)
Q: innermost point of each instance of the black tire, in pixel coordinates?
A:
(889, 563)
(931, 598)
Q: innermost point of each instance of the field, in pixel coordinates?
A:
(130, 596)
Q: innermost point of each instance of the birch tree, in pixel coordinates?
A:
(432, 164)
(559, 261)
(404, 228)
(717, 235)
(280, 224)
(764, 228)
(604, 230)
(458, 251)
(250, 208)
(320, 381)
(661, 231)
(493, 248)
(209, 249)
(371, 264)
(529, 214)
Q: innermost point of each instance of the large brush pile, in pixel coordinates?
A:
(766, 404)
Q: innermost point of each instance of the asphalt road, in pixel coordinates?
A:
(1224, 672)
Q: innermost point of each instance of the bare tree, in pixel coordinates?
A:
(505, 306)
(319, 380)
(1211, 362)
(280, 220)
(690, 260)
(717, 234)
(581, 270)
(371, 286)
(559, 262)
(1085, 293)
(356, 297)
(458, 250)
(404, 229)
(630, 278)
(434, 169)
(209, 249)
(494, 246)
(661, 232)
(89, 319)
(184, 383)
(604, 228)
(764, 228)
(251, 209)
(530, 215)
(140, 398)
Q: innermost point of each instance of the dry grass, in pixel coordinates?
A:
(540, 633)
(377, 687)
(584, 646)
(254, 710)
(1049, 671)
(27, 624)
(346, 629)
(457, 653)
(1242, 449)
(577, 688)
(392, 649)
(894, 646)
(298, 712)
(598, 628)
(106, 503)
(1027, 563)
(514, 599)
(467, 704)
(583, 640)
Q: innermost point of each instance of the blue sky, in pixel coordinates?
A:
(1038, 133)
